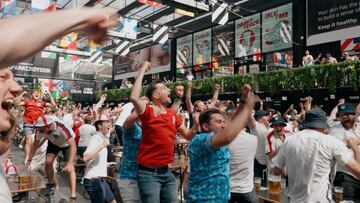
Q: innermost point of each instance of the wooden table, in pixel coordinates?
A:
(36, 183)
(266, 196)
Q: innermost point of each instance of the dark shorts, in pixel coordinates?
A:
(53, 149)
(98, 190)
(28, 129)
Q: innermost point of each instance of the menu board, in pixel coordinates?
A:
(277, 28)
(247, 36)
(202, 47)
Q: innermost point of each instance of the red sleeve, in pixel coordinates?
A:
(146, 115)
(26, 101)
(178, 121)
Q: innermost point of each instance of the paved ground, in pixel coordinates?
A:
(62, 194)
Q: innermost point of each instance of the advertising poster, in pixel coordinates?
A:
(202, 47)
(128, 66)
(247, 36)
(82, 91)
(223, 50)
(277, 28)
(332, 21)
(183, 54)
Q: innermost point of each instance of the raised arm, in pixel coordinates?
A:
(139, 104)
(189, 104)
(45, 28)
(179, 91)
(228, 134)
(335, 110)
(215, 96)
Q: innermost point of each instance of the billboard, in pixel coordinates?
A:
(82, 91)
(247, 35)
(158, 55)
(223, 50)
(332, 21)
(277, 28)
(183, 53)
(202, 47)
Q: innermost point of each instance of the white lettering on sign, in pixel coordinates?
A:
(30, 69)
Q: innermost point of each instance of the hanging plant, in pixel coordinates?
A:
(329, 76)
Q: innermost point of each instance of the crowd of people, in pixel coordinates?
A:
(229, 144)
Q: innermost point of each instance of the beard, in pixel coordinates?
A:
(348, 124)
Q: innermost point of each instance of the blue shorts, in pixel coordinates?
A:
(98, 190)
(28, 129)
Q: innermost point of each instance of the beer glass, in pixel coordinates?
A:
(257, 182)
(274, 183)
(338, 194)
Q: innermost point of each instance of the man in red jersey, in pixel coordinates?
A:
(155, 180)
(34, 108)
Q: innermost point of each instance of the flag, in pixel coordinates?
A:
(350, 44)
(92, 46)
(122, 47)
(38, 6)
(150, 3)
(220, 14)
(278, 59)
(8, 7)
(161, 34)
(257, 54)
(128, 28)
(69, 41)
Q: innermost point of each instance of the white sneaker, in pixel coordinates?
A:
(20, 146)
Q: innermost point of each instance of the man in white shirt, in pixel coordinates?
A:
(60, 138)
(260, 127)
(85, 133)
(276, 138)
(95, 157)
(242, 156)
(347, 128)
(308, 156)
(308, 59)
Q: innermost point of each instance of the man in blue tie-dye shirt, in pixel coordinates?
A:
(209, 154)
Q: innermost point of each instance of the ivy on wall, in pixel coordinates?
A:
(332, 76)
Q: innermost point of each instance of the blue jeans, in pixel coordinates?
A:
(98, 190)
(156, 187)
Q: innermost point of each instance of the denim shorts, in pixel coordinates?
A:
(98, 190)
(28, 129)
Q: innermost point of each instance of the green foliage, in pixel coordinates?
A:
(320, 76)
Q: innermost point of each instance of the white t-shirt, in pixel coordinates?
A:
(59, 136)
(127, 108)
(308, 156)
(242, 154)
(38, 160)
(68, 120)
(261, 132)
(341, 133)
(85, 133)
(5, 194)
(98, 166)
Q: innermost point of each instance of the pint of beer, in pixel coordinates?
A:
(274, 184)
(257, 182)
(338, 194)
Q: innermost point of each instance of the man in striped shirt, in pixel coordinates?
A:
(60, 138)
